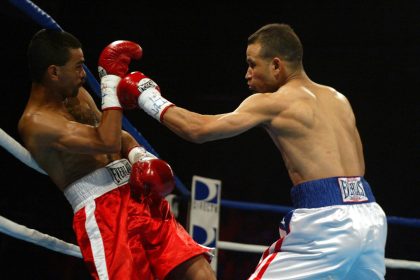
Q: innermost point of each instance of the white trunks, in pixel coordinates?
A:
(338, 231)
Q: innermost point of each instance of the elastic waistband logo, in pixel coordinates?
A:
(352, 189)
(120, 172)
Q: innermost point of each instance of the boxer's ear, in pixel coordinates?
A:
(52, 72)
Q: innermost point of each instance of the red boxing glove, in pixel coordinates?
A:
(151, 177)
(137, 90)
(112, 66)
(131, 86)
(116, 57)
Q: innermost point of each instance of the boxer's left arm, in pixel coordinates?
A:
(137, 90)
(149, 174)
(258, 109)
(200, 128)
(127, 144)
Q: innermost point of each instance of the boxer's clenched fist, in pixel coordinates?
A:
(116, 57)
(112, 66)
(137, 90)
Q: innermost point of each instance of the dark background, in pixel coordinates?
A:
(367, 50)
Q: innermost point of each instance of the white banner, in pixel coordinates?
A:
(205, 213)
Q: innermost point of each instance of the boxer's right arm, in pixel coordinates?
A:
(113, 64)
(75, 137)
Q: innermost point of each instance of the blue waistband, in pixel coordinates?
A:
(331, 191)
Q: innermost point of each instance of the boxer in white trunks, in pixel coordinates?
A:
(338, 231)
(123, 224)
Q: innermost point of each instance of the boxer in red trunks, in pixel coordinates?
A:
(124, 226)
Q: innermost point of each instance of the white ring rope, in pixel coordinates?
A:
(250, 248)
(404, 264)
(21, 232)
(17, 150)
(30, 235)
(240, 247)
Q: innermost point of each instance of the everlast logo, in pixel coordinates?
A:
(352, 189)
(120, 172)
(147, 84)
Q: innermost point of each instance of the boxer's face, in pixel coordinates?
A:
(72, 74)
(259, 75)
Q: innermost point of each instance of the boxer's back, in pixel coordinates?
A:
(316, 133)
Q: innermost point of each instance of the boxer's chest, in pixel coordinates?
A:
(82, 113)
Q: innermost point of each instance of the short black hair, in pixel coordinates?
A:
(278, 39)
(49, 47)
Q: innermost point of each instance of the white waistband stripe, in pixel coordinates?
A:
(95, 184)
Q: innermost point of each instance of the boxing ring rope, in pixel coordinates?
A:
(38, 238)
(392, 220)
(250, 248)
(30, 235)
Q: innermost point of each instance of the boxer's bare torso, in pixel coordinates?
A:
(312, 125)
(42, 122)
(314, 128)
